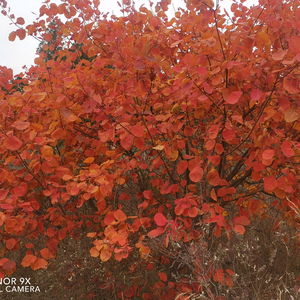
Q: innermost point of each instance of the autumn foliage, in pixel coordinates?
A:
(170, 134)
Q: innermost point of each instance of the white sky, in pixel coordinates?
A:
(19, 53)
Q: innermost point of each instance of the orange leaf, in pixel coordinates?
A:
(21, 33)
(89, 160)
(45, 253)
(105, 255)
(12, 36)
(291, 115)
(94, 252)
(28, 260)
(20, 125)
(239, 229)
(120, 215)
(40, 263)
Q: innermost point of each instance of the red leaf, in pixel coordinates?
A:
(215, 159)
(188, 131)
(279, 55)
(294, 44)
(230, 272)
(20, 125)
(155, 21)
(137, 130)
(21, 33)
(268, 154)
(228, 134)
(290, 86)
(139, 66)
(256, 94)
(193, 212)
(181, 167)
(156, 232)
(127, 141)
(270, 183)
(196, 174)
(213, 178)
(20, 21)
(219, 275)
(9, 265)
(160, 219)
(213, 131)
(10, 243)
(287, 150)
(242, 220)
(62, 233)
(234, 97)
(148, 194)
(210, 144)
(239, 229)
(109, 218)
(3, 194)
(163, 276)
(13, 143)
(254, 206)
(186, 88)
(219, 219)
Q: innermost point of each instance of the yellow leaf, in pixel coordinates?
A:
(158, 147)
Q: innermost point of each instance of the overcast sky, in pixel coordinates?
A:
(19, 53)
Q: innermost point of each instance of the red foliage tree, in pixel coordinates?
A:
(163, 128)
